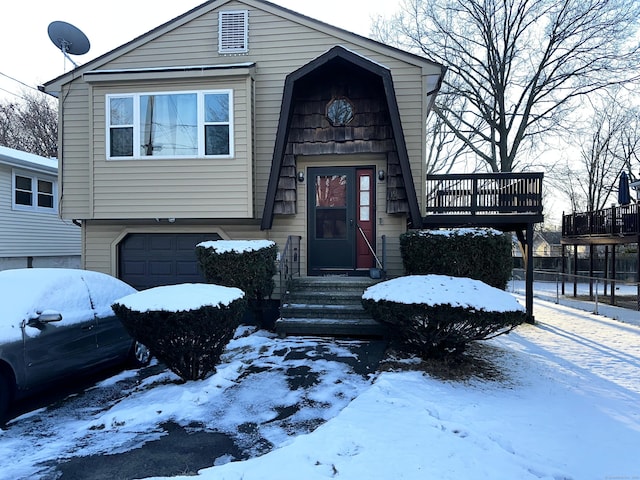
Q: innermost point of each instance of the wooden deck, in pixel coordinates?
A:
(505, 201)
(614, 225)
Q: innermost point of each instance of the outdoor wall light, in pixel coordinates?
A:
(301, 176)
(381, 175)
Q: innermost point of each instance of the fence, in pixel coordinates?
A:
(598, 290)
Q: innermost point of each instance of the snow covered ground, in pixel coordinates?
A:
(565, 405)
(568, 408)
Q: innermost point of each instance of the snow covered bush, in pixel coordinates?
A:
(482, 254)
(434, 316)
(186, 327)
(249, 265)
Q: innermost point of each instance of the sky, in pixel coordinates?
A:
(562, 402)
(29, 56)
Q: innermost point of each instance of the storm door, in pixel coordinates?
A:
(335, 208)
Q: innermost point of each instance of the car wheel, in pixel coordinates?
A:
(5, 396)
(140, 355)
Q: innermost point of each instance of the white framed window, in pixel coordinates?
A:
(33, 193)
(170, 125)
(233, 31)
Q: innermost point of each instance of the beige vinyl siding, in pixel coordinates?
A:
(278, 46)
(101, 240)
(74, 166)
(177, 187)
(33, 234)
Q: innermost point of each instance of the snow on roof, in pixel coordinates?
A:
(237, 246)
(443, 290)
(18, 158)
(180, 298)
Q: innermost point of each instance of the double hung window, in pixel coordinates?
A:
(171, 125)
(33, 193)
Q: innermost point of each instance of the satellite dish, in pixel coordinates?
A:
(69, 39)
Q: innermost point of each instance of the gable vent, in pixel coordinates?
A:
(233, 28)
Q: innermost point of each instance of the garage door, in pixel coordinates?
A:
(152, 259)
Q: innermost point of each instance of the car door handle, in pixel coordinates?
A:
(88, 327)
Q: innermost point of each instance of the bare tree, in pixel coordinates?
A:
(522, 65)
(609, 145)
(30, 126)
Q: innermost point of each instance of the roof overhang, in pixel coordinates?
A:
(28, 161)
(286, 114)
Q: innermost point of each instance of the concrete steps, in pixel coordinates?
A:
(328, 306)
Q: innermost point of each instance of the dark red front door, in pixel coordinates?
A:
(365, 238)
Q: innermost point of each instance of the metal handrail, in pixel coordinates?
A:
(370, 247)
(289, 264)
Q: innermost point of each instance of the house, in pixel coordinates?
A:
(545, 244)
(241, 119)
(32, 233)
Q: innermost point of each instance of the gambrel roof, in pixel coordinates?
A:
(286, 114)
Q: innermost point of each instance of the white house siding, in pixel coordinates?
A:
(44, 237)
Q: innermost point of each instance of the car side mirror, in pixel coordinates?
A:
(47, 317)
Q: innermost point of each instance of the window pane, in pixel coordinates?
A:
(364, 182)
(45, 200)
(121, 111)
(23, 198)
(331, 223)
(364, 199)
(168, 125)
(122, 142)
(331, 191)
(45, 194)
(216, 140)
(23, 183)
(216, 107)
(45, 187)
(364, 214)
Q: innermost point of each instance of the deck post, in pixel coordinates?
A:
(575, 271)
(591, 272)
(613, 275)
(529, 274)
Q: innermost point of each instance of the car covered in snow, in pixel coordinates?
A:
(56, 323)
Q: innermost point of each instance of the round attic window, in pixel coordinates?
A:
(339, 111)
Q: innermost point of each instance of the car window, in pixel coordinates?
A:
(37, 290)
(104, 290)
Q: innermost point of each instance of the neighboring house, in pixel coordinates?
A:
(31, 231)
(545, 244)
(244, 120)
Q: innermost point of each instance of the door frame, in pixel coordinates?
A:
(317, 247)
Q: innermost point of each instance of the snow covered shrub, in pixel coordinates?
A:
(186, 327)
(434, 316)
(249, 265)
(482, 254)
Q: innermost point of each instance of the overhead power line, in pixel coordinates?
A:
(21, 83)
(14, 94)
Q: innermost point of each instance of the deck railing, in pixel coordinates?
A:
(485, 193)
(615, 220)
